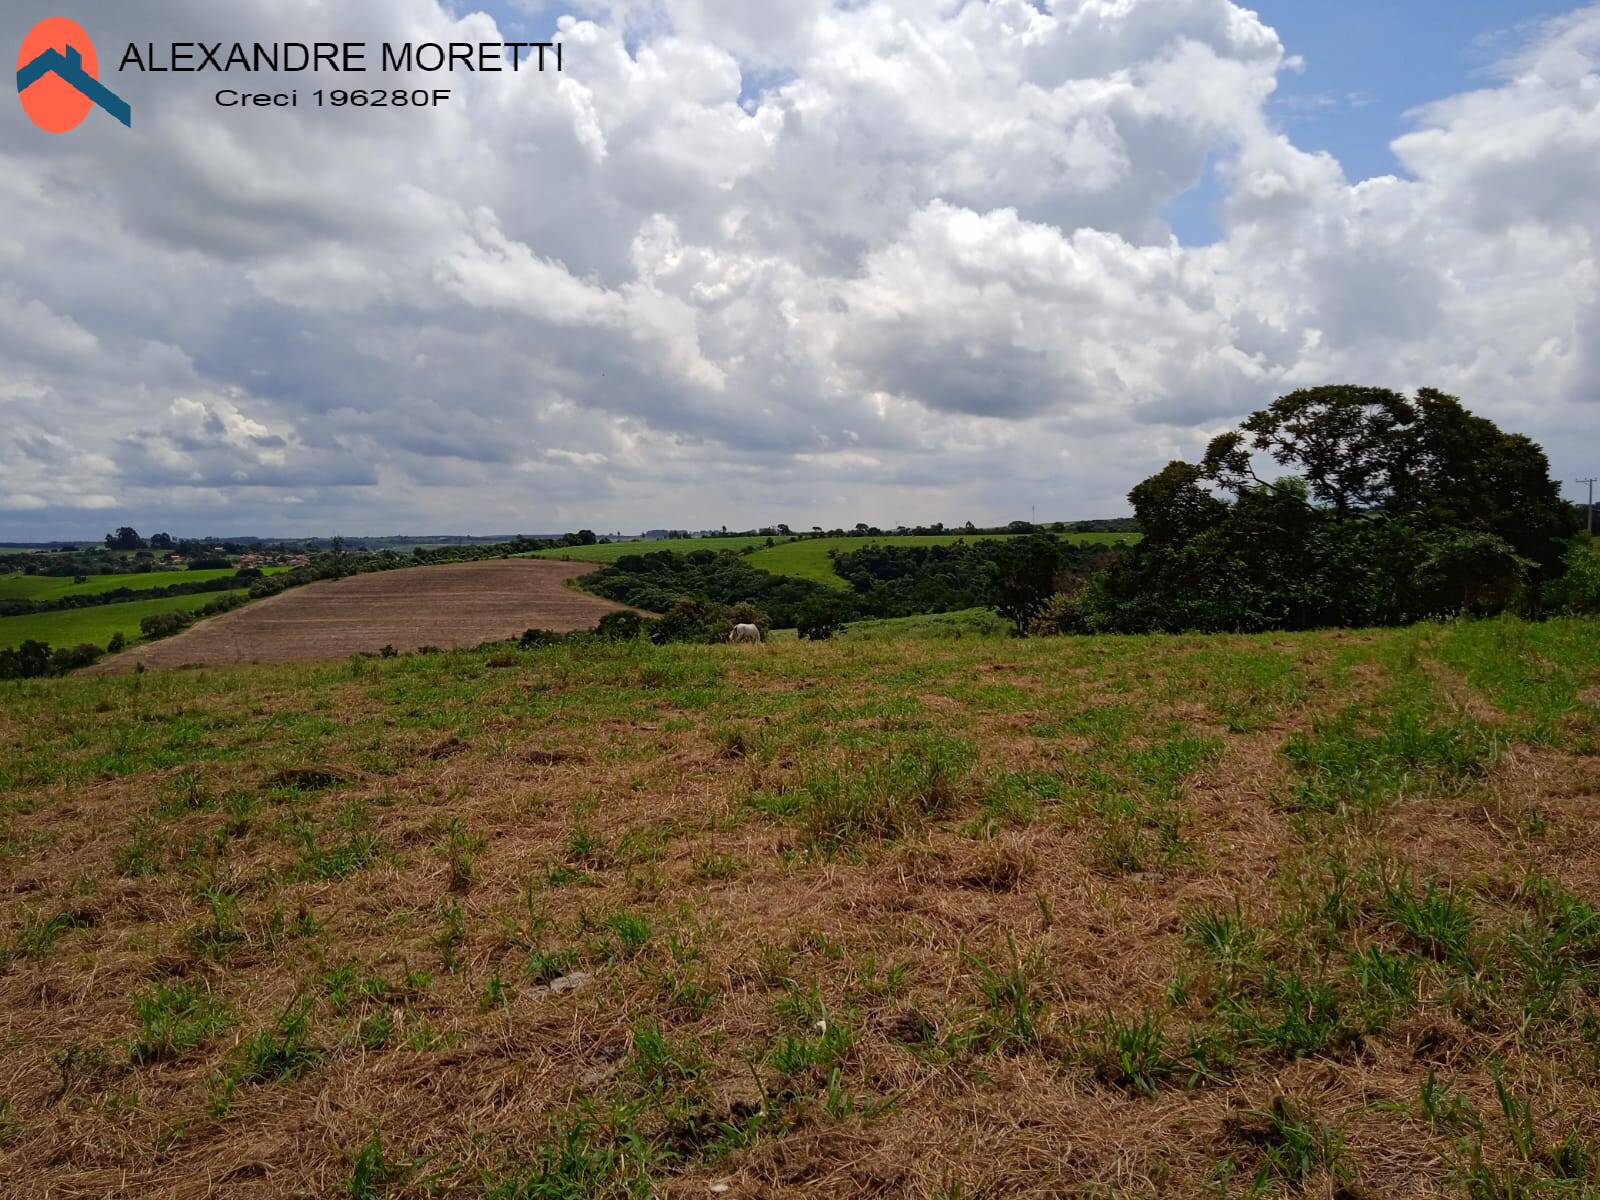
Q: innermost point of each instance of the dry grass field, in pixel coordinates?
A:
(448, 607)
(1310, 914)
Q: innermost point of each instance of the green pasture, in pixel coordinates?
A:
(97, 624)
(55, 587)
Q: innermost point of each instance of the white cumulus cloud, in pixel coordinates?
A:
(801, 260)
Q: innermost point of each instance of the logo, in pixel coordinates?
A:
(58, 78)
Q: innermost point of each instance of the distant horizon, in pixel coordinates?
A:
(212, 535)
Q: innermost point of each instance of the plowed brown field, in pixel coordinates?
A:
(460, 605)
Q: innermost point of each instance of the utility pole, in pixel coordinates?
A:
(1591, 483)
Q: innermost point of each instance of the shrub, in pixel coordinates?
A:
(692, 621)
(1022, 576)
(620, 626)
(901, 581)
(28, 661)
(117, 644)
(1471, 571)
(820, 619)
(160, 625)
(1062, 613)
(1578, 588)
(64, 660)
(221, 604)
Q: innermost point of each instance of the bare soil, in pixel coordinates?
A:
(453, 606)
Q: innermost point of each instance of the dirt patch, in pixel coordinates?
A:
(449, 607)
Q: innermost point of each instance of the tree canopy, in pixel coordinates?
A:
(1386, 509)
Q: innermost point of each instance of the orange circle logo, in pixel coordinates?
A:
(56, 73)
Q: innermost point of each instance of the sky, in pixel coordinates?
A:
(812, 261)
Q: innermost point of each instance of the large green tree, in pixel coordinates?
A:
(1379, 509)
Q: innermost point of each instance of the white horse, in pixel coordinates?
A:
(745, 633)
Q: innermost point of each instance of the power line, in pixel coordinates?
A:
(1591, 482)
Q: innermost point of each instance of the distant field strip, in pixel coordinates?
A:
(75, 626)
(611, 551)
(808, 558)
(53, 587)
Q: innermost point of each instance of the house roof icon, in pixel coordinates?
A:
(68, 66)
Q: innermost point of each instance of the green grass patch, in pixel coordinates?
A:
(175, 1019)
(58, 587)
(965, 623)
(38, 936)
(97, 624)
(875, 798)
(1013, 991)
(280, 1052)
(808, 558)
(1366, 757)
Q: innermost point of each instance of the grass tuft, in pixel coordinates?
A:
(1132, 1054)
(1013, 995)
(175, 1019)
(373, 1174)
(881, 799)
